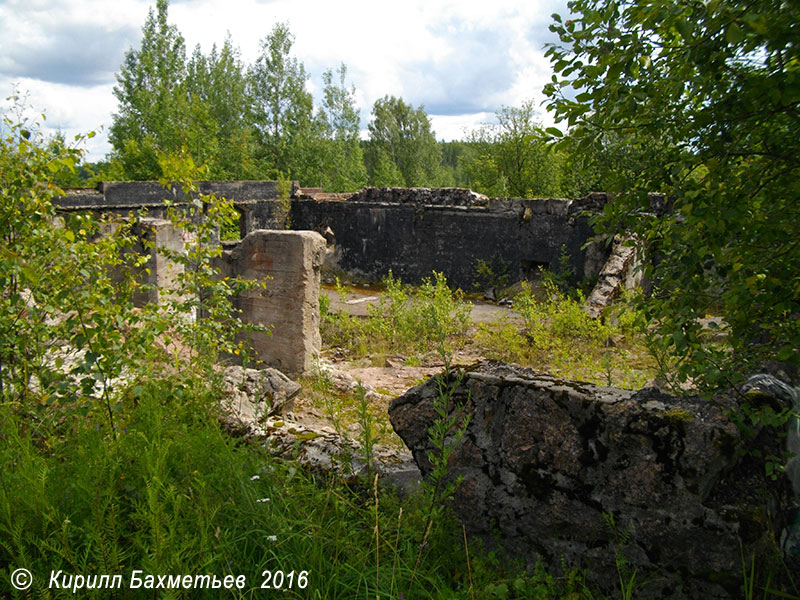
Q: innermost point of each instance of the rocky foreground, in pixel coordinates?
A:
(612, 481)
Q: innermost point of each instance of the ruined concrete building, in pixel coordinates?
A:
(409, 231)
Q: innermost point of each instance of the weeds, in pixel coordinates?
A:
(366, 422)
(556, 335)
(429, 318)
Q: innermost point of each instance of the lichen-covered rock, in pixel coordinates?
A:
(573, 472)
(252, 395)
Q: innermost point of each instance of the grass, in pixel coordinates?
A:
(413, 322)
(548, 332)
(176, 495)
(559, 338)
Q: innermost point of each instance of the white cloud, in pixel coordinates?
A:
(462, 59)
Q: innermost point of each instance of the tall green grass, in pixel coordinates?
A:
(175, 494)
(413, 321)
(557, 336)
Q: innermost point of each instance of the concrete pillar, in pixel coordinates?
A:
(163, 272)
(289, 262)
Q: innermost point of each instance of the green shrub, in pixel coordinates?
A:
(413, 321)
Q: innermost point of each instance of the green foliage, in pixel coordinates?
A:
(112, 457)
(445, 434)
(491, 274)
(344, 169)
(198, 288)
(366, 422)
(289, 133)
(540, 585)
(558, 315)
(176, 494)
(59, 307)
(401, 136)
(627, 577)
(430, 318)
(128, 468)
(153, 109)
(217, 88)
(511, 158)
(71, 336)
(705, 96)
(558, 336)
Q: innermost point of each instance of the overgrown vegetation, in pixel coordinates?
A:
(707, 97)
(408, 321)
(259, 121)
(558, 336)
(112, 458)
(548, 331)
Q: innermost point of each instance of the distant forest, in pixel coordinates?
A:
(258, 121)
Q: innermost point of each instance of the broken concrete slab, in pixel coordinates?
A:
(622, 271)
(575, 474)
(252, 395)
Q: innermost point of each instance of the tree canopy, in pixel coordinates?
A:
(512, 158)
(283, 110)
(706, 96)
(401, 136)
(344, 168)
(260, 120)
(152, 106)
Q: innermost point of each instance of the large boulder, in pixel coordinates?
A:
(596, 478)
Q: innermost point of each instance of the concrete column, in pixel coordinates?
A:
(289, 262)
(163, 272)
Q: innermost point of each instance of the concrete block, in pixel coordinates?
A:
(289, 262)
(160, 271)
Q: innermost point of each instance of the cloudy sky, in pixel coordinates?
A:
(461, 59)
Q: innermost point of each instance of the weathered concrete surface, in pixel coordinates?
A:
(621, 272)
(547, 463)
(255, 394)
(158, 239)
(289, 262)
(258, 202)
(413, 231)
(151, 194)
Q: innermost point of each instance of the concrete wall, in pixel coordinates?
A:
(258, 202)
(411, 231)
(160, 271)
(375, 232)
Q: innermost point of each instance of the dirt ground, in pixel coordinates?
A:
(394, 377)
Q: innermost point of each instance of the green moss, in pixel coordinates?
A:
(678, 414)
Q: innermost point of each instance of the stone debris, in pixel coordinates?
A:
(252, 394)
(619, 273)
(259, 404)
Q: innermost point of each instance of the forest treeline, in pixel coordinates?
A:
(258, 121)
